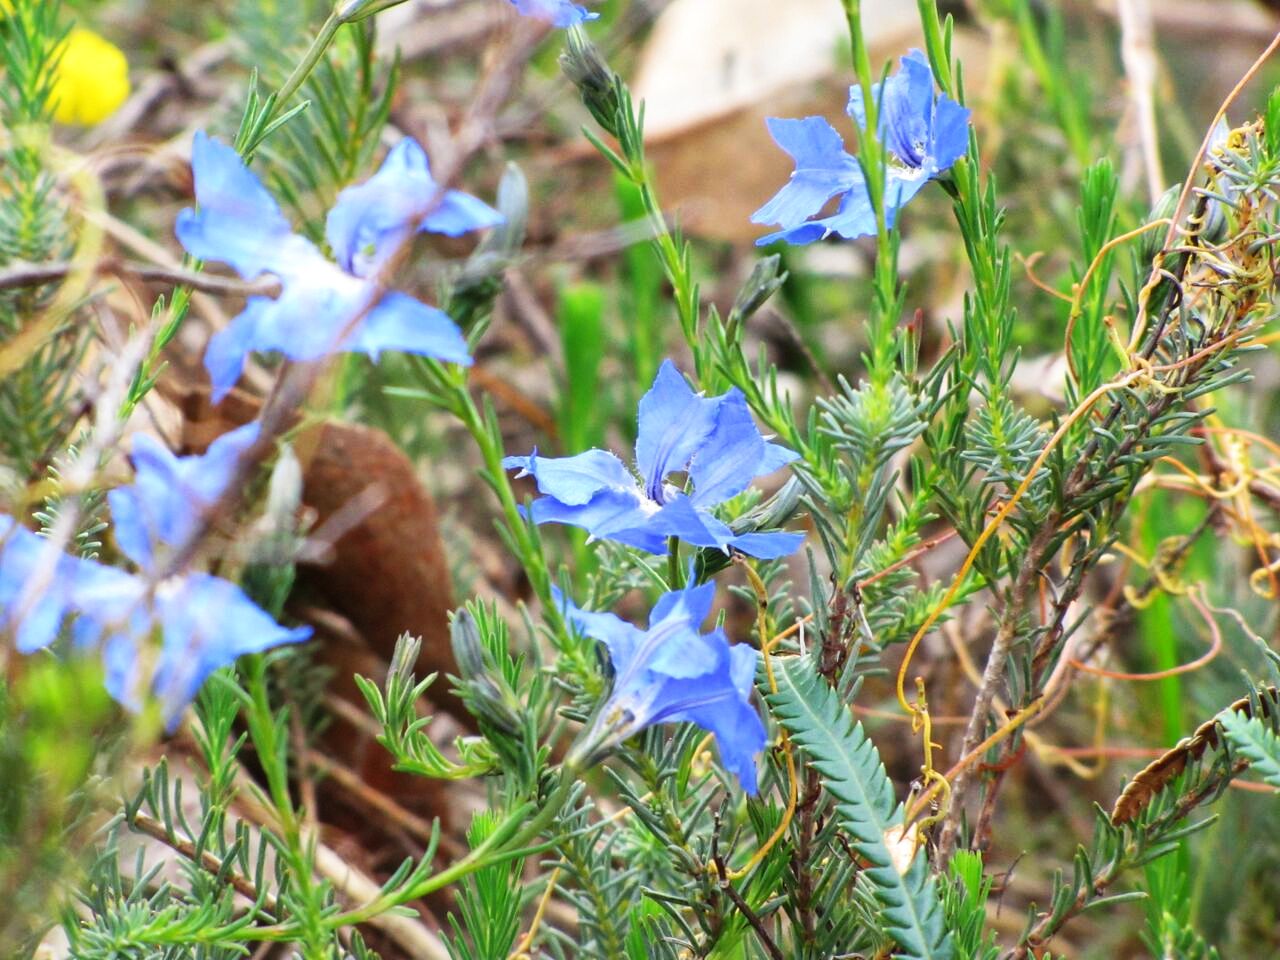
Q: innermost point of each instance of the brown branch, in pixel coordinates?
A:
(762, 932)
(208, 861)
(37, 274)
(1048, 927)
(992, 675)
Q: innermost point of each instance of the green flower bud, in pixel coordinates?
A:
(597, 84)
(351, 11)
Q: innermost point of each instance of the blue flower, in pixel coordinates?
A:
(165, 503)
(204, 622)
(238, 223)
(558, 13)
(923, 134)
(711, 439)
(671, 673)
(36, 585)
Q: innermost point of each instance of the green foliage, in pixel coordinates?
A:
(488, 902)
(964, 901)
(43, 333)
(580, 319)
(403, 730)
(1256, 741)
(822, 728)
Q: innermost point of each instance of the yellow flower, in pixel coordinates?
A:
(91, 81)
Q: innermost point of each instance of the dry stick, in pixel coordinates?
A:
(1137, 52)
(762, 932)
(36, 274)
(208, 861)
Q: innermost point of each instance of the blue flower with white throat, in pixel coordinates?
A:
(923, 133)
(323, 307)
(713, 441)
(672, 673)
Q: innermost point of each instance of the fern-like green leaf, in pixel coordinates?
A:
(1251, 737)
(829, 737)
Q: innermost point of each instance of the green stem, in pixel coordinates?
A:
(882, 319)
(302, 70)
(449, 385)
(263, 729)
(673, 563)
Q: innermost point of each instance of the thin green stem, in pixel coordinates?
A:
(263, 730)
(674, 577)
(302, 70)
(449, 386)
(873, 157)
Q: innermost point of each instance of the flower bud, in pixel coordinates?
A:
(486, 695)
(1153, 239)
(766, 277)
(351, 11)
(597, 84)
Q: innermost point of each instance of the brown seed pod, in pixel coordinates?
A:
(1164, 769)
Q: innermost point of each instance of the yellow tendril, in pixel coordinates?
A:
(762, 607)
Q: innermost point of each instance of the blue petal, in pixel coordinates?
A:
(460, 213)
(399, 322)
(906, 111)
(692, 603)
(208, 623)
(718, 700)
(950, 133)
(371, 220)
(225, 353)
(797, 236)
(673, 423)
(575, 480)
(739, 732)
(726, 464)
(679, 518)
(673, 647)
(122, 670)
(609, 515)
(169, 494)
(768, 546)
(558, 13)
(823, 170)
(621, 638)
(855, 108)
(105, 594)
(855, 216)
(131, 525)
(898, 190)
(35, 580)
(775, 457)
(238, 222)
(305, 323)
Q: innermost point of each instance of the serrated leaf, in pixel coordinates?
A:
(852, 772)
